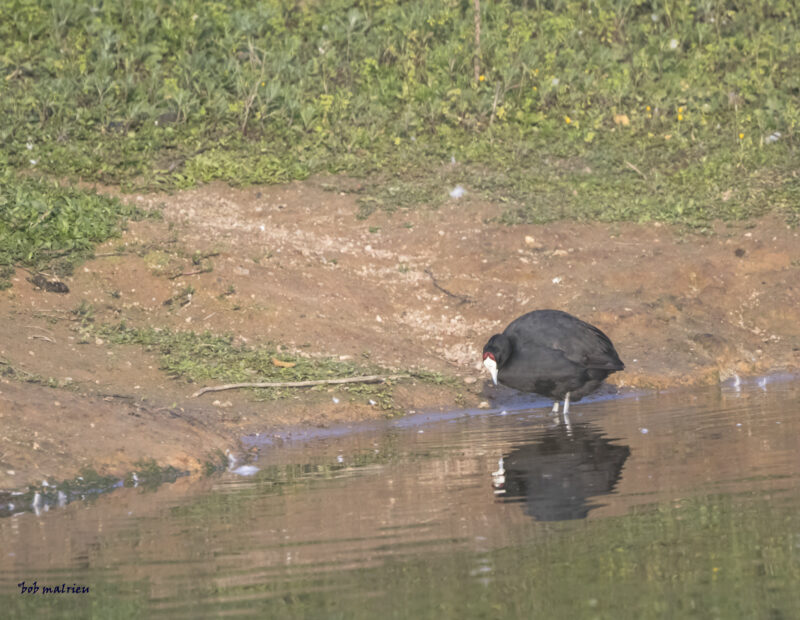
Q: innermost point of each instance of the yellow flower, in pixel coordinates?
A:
(481, 78)
(567, 120)
(680, 117)
(647, 108)
(741, 136)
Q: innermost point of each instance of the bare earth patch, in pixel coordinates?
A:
(423, 289)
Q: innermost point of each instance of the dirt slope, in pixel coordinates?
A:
(423, 289)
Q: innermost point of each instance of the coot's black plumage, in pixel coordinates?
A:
(553, 354)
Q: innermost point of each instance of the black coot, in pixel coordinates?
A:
(553, 354)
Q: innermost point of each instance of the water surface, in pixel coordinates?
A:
(679, 505)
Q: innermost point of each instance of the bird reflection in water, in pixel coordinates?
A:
(557, 475)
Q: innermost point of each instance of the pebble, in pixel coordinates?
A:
(532, 243)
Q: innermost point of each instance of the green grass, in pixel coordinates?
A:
(44, 225)
(208, 358)
(587, 109)
(10, 371)
(198, 357)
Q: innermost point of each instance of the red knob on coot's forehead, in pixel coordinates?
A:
(487, 354)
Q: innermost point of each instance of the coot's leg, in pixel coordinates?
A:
(555, 408)
(566, 404)
(567, 424)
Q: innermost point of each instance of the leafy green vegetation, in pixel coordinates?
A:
(204, 357)
(44, 225)
(594, 109)
(8, 370)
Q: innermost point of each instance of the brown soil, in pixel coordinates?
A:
(422, 289)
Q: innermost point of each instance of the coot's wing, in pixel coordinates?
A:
(580, 342)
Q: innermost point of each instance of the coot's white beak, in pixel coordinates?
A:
(491, 366)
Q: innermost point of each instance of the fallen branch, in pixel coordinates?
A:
(189, 273)
(280, 384)
(462, 298)
(51, 286)
(40, 337)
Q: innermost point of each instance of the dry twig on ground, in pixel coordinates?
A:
(279, 384)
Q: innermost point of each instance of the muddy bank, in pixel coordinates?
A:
(420, 289)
